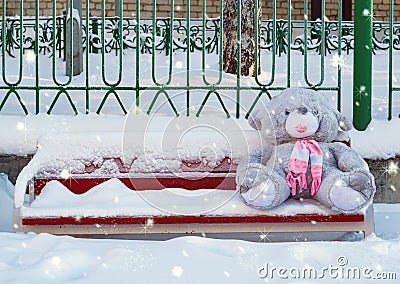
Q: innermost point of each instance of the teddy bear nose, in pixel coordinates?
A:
(302, 110)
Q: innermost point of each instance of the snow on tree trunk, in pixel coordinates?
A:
(229, 46)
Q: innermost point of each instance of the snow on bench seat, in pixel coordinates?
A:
(191, 176)
(113, 207)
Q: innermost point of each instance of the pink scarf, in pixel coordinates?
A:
(303, 151)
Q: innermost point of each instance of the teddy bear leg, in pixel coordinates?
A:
(271, 191)
(346, 192)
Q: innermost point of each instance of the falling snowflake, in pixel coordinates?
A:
(20, 126)
(390, 169)
(179, 64)
(26, 129)
(177, 271)
(56, 261)
(338, 60)
(147, 226)
(30, 56)
(264, 236)
(366, 12)
(65, 174)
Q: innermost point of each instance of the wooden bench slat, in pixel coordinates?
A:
(201, 219)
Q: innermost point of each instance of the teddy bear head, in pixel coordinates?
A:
(298, 113)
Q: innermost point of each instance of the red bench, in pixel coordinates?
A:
(222, 177)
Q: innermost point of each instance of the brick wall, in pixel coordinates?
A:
(381, 8)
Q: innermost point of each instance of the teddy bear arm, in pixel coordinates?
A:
(251, 169)
(260, 155)
(347, 159)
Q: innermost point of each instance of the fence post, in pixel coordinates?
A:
(362, 76)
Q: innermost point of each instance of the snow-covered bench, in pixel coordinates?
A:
(79, 186)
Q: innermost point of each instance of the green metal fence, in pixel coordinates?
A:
(29, 43)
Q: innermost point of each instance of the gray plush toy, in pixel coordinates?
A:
(299, 157)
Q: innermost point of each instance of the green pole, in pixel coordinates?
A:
(362, 77)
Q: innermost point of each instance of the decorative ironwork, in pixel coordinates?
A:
(179, 40)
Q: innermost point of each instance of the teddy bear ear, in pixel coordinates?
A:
(255, 119)
(344, 123)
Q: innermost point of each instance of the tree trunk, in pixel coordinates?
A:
(229, 46)
(316, 10)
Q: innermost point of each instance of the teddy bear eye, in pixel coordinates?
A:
(315, 112)
(287, 112)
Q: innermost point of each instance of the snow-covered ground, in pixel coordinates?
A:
(48, 259)
(43, 258)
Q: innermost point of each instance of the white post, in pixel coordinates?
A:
(77, 48)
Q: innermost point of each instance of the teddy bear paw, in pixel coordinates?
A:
(346, 198)
(261, 196)
(362, 182)
(251, 176)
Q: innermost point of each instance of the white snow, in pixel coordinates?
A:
(43, 258)
(379, 141)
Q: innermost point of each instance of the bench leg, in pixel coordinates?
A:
(369, 224)
(17, 224)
